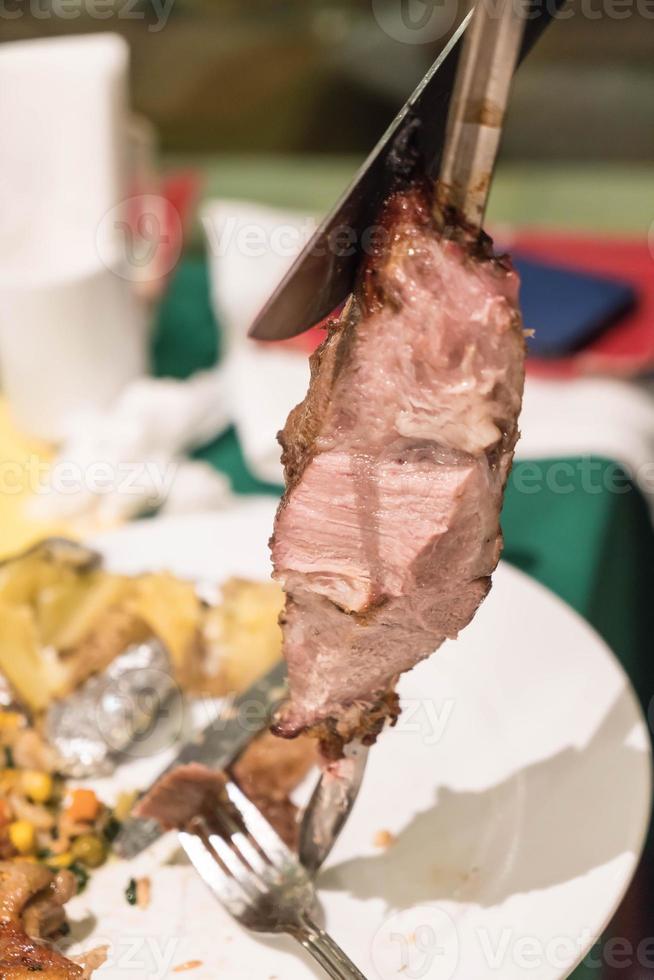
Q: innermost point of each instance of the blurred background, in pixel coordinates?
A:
(326, 76)
(141, 136)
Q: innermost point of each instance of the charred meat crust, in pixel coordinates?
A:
(362, 721)
(305, 419)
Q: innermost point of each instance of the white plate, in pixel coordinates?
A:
(517, 785)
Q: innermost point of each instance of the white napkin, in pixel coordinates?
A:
(131, 459)
(598, 416)
(263, 386)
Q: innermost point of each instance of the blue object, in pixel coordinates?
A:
(567, 308)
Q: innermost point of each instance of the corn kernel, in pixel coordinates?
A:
(37, 785)
(22, 836)
(60, 860)
(10, 720)
(125, 804)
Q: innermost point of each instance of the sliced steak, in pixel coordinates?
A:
(268, 777)
(182, 795)
(267, 772)
(395, 466)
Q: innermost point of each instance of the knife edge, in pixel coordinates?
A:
(322, 275)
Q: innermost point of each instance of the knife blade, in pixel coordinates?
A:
(324, 273)
(218, 745)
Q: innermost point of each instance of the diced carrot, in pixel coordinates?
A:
(83, 806)
(5, 813)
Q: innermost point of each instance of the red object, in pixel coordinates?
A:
(182, 190)
(157, 220)
(306, 343)
(627, 347)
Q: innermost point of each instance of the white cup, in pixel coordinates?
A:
(73, 330)
(67, 344)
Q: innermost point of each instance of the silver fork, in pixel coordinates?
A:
(259, 881)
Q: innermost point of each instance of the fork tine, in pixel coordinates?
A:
(224, 887)
(223, 845)
(250, 854)
(243, 840)
(282, 905)
(258, 827)
(237, 868)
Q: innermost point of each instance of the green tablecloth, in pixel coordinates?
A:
(595, 550)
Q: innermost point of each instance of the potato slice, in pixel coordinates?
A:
(36, 674)
(22, 580)
(52, 598)
(242, 634)
(53, 561)
(172, 610)
(62, 618)
(97, 593)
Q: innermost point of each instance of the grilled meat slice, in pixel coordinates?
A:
(268, 777)
(395, 466)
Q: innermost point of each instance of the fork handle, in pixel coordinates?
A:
(324, 950)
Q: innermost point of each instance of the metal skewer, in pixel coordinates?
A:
(481, 90)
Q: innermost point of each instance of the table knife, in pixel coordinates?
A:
(324, 273)
(217, 746)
